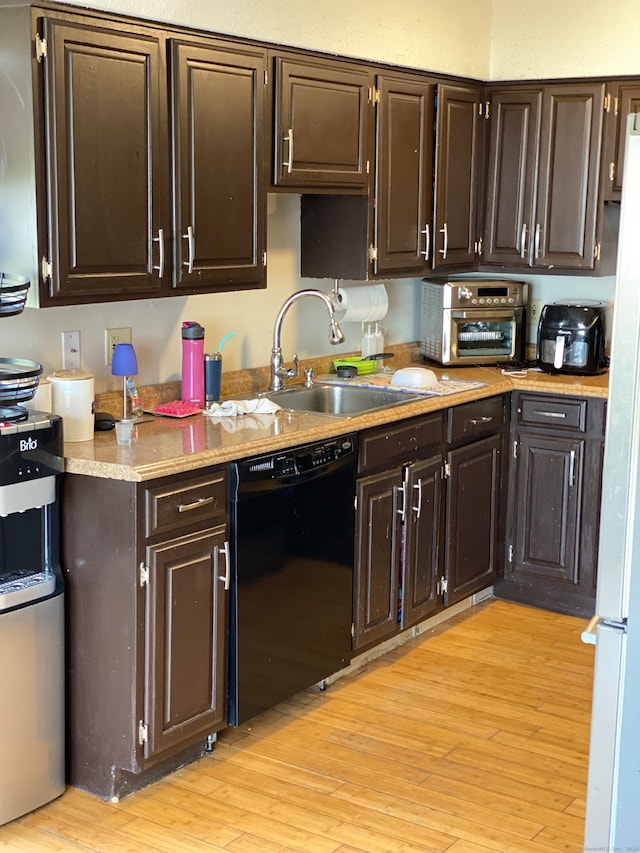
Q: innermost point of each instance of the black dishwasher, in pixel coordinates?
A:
(292, 529)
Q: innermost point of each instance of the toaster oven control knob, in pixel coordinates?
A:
(464, 293)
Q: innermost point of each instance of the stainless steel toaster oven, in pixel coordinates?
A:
(473, 321)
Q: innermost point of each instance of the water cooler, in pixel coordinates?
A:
(32, 766)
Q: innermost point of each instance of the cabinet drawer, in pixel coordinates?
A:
(474, 420)
(396, 443)
(553, 412)
(184, 502)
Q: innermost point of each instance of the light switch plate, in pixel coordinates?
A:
(71, 350)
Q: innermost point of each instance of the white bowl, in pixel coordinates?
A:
(414, 377)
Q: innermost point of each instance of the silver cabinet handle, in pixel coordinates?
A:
(572, 468)
(523, 240)
(191, 243)
(226, 577)
(195, 505)
(537, 241)
(427, 242)
(289, 138)
(160, 241)
(477, 421)
(443, 251)
(418, 509)
(549, 414)
(402, 512)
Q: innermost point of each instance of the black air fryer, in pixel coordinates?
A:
(571, 338)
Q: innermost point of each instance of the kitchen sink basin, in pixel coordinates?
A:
(338, 400)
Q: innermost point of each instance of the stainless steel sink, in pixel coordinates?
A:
(338, 400)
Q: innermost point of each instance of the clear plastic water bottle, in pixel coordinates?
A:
(193, 363)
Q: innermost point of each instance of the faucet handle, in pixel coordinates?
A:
(308, 376)
(294, 372)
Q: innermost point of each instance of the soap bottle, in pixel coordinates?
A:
(192, 386)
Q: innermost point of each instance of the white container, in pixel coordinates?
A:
(72, 397)
(41, 400)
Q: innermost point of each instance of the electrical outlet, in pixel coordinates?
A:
(535, 310)
(113, 337)
(71, 350)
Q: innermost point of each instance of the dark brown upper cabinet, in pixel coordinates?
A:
(621, 100)
(107, 164)
(543, 176)
(511, 174)
(219, 193)
(403, 176)
(459, 138)
(389, 234)
(321, 124)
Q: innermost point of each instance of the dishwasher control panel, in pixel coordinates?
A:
(298, 460)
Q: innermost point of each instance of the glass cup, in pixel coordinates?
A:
(124, 431)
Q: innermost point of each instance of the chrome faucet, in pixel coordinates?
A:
(278, 371)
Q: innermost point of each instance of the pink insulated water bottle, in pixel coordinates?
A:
(193, 363)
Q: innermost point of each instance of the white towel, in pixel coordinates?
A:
(233, 408)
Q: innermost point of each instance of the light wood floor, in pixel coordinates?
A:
(471, 738)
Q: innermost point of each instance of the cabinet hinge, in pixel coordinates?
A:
(596, 252)
(374, 95)
(41, 47)
(442, 586)
(264, 259)
(510, 554)
(612, 172)
(143, 574)
(514, 452)
(46, 269)
(607, 102)
(447, 470)
(143, 732)
(373, 253)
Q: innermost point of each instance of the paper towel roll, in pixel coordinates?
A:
(72, 397)
(363, 304)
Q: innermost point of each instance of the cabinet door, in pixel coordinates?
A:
(219, 193)
(623, 99)
(185, 678)
(320, 124)
(404, 167)
(423, 541)
(569, 175)
(473, 517)
(458, 144)
(548, 497)
(377, 558)
(511, 179)
(107, 164)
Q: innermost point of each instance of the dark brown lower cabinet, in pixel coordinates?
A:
(147, 568)
(473, 553)
(398, 548)
(429, 527)
(557, 445)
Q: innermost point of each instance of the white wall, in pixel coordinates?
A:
(564, 38)
(453, 37)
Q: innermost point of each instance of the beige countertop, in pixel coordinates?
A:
(165, 446)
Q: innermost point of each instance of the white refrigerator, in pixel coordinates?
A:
(613, 792)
